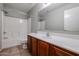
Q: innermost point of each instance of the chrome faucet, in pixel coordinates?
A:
(47, 34)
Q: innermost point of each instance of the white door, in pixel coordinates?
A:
(14, 31)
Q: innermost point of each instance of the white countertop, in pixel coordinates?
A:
(69, 43)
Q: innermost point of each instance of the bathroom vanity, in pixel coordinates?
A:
(39, 45)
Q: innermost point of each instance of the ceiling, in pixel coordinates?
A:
(24, 7)
(51, 7)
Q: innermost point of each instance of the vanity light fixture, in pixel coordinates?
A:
(46, 4)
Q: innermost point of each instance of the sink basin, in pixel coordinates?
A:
(44, 34)
(47, 37)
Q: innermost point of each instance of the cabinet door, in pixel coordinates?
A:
(29, 44)
(60, 52)
(43, 48)
(51, 50)
(34, 47)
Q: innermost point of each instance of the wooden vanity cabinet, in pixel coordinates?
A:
(34, 46)
(56, 51)
(51, 50)
(60, 52)
(43, 48)
(29, 43)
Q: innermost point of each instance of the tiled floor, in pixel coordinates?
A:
(15, 51)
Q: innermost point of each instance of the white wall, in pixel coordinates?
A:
(0, 28)
(33, 13)
(0, 25)
(41, 25)
(55, 18)
(29, 25)
(16, 13)
(71, 19)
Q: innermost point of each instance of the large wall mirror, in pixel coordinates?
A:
(71, 19)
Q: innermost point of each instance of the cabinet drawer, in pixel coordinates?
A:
(60, 52)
